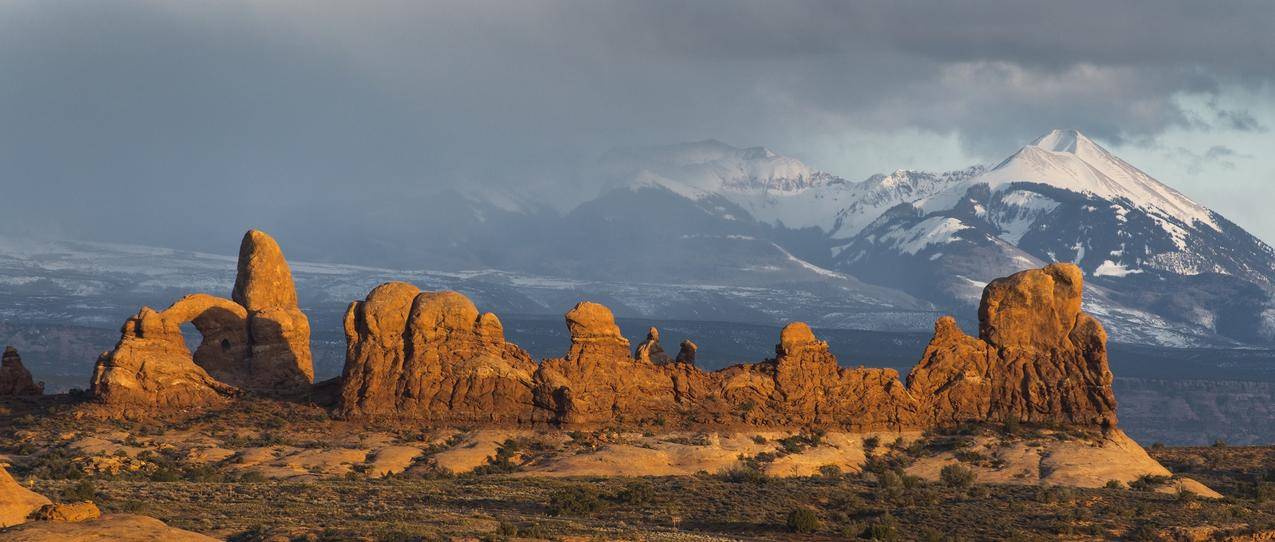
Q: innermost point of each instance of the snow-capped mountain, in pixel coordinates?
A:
(1065, 198)
(707, 230)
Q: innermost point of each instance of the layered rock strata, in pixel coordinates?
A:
(1037, 358)
(258, 341)
(15, 379)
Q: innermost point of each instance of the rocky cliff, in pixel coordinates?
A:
(1037, 358)
(14, 378)
(259, 341)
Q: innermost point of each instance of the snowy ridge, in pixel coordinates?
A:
(1067, 159)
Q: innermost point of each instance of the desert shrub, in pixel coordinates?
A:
(830, 471)
(1264, 492)
(870, 444)
(1219, 443)
(636, 494)
(165, 475)
(742, 474)
(575, 501)
(758, 439)
(880, 531)
(956, 476)
(80, 491)
(507, 529)
(803, 520)
(502, 462)
(889, 479)
(1148, 482)
(1012, 426)
(1114, 484)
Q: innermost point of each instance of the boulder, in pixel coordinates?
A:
(432, 355)
(650, 351)
(686, 353)
(1037, 358)
(16, 502)
(15, 379)
(71, 512)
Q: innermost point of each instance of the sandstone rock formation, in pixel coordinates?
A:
(1038, 358)
(14, 378)
(650, 350)
(151, 367)
(259, 341)
(686, 354)
(16, 502)
(70, 512)
(432, 355)
(279, 333)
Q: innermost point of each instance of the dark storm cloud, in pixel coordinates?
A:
(115, 116)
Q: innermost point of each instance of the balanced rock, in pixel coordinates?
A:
(686, 353)
(432, 355)
(1038, 358)
(16, 502)
(649, 351)
(15, 379)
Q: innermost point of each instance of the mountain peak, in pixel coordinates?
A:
(1069, 140)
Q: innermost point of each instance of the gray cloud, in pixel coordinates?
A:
(117, 115)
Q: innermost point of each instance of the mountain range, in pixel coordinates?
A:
(709, 231)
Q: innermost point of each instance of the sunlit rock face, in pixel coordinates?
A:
(433, 355)
(258, 341)
(1037, 358)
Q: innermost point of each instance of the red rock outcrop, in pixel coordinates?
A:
(650, 350)
(1037, 358)
(279, 333)
(14, 378)
(16, 502)
(259, 341)
(686, 353)
(433, 356)
(151, 368)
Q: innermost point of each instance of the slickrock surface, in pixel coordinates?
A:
(16, 502)
(430, 355)
(113, 528)
(258, 341)
(15, 379)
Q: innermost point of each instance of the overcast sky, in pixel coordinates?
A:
(120, 119)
